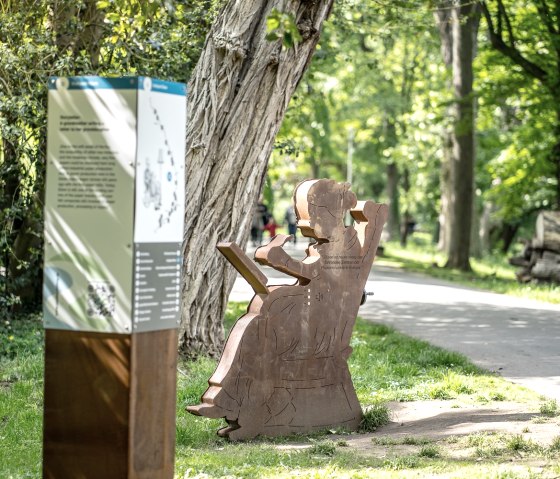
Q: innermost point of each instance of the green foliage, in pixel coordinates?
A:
(38, 40)
(518, 443)
(429, 450)
(323, 448)
(555, 445)
(377, 92)
(402, 462)
(20, 336)
(373, 417)
(21, 396)
(550, 408)
(282, 26)
(367, 100)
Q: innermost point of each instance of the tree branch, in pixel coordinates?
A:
(502, 12)
(544, 13)
(510, 51)
(546, 18)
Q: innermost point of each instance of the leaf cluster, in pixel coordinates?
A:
(39, 39)
(282, 26)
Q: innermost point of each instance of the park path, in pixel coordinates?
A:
(517, 338)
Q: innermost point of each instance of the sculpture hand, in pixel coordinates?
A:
(271, 253)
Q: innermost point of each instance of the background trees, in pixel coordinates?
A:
(377, 103)
(39, 38)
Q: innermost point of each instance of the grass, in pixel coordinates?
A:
(492, 272)
(386, 366)
(550, 408)
(21, 397)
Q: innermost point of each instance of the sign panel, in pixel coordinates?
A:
(114, 204)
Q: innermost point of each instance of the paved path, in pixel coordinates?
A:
(517, 338)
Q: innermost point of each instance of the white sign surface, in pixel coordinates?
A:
(115, 181)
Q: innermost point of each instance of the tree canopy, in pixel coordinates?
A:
(375, 106)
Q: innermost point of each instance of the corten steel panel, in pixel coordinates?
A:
(109, 405)
(284, 367)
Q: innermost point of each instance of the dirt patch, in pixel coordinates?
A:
(441, 420)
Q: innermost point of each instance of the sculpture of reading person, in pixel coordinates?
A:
(284, 367)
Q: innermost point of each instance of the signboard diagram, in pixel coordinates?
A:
(114, 204)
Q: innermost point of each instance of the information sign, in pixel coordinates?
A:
(114, 206)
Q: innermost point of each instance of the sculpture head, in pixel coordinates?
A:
(320, 207)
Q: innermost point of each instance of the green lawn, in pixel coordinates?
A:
(386, 366)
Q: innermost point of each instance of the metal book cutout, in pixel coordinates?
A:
(284, 366)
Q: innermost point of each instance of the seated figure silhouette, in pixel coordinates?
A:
(284, 367)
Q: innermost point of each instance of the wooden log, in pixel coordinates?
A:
(551, 256)
(519, 261)
(523, 275)
(547, 231)
(109, 405)
(527, 250)
(546, 270)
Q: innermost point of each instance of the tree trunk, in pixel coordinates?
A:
(406, 218)
(464, 27)
(554, 156)
(508, 232)
(66, 17)
(393, 199)
(237, 99)
(476, 245)
(446, 188)
(485, 227)
(443, 22)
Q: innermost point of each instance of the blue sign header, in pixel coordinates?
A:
(121, 83)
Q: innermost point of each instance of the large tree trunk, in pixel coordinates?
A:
(406, 219)
(476, 243)
(78, 27)
(237, 99)
(486, 227)
(555, 155)
(464, 26)
(393, 200)
(443, 21)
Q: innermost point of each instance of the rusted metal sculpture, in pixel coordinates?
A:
(284, 367)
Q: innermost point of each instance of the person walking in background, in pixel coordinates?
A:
(257, 226)
(271, 226)
(291, 219)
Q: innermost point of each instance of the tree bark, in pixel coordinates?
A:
(443, 21)
(486, 227)
(446, 188)
(237, 99)
(393, 199)
(554, 156)
(464, 26)
(66, 17)
(406, 217)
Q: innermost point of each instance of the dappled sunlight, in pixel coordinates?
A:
(515, 337)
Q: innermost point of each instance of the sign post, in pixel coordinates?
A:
(114, 214)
